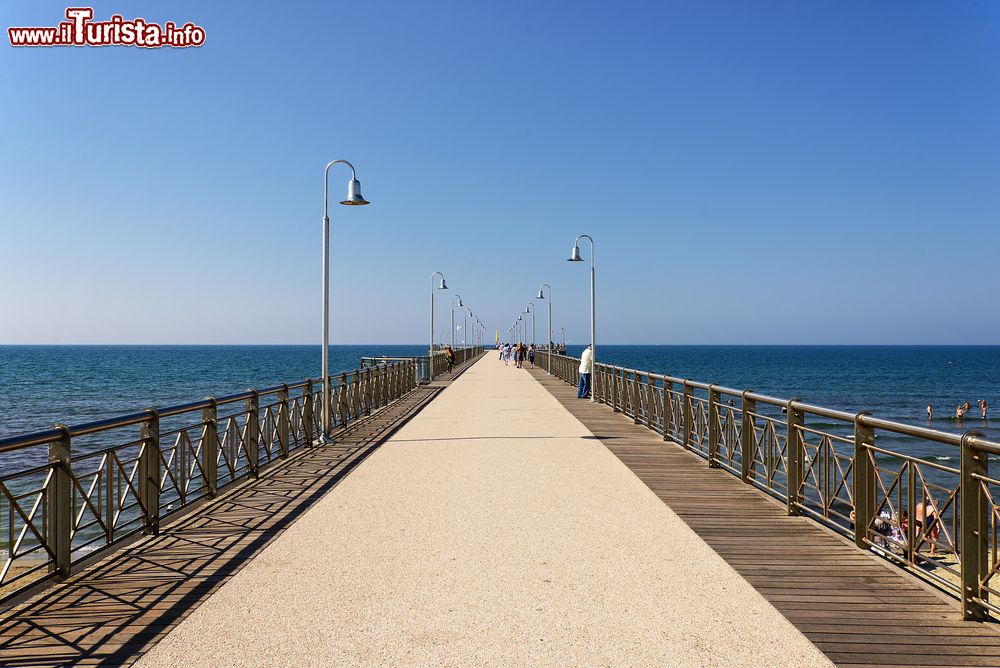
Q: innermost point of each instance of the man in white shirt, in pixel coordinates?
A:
(586, 368)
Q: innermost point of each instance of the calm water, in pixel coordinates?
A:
(893, 382)
(40, 385)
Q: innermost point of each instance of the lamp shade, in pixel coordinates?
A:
(575, 255)
(443, 286)
(541, 295)
(354, 197)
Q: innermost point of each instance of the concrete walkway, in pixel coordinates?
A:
(491, 529)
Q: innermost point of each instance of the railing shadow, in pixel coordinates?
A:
(116, 609)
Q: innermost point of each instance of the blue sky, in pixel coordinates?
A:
(752, 172)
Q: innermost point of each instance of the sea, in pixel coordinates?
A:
(42, 385)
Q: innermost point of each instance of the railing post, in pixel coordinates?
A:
(794, 456)
(748, 439)
(252, 444)
(615, 389)
(59, 511)
(974, 547)
(650, 382)
(714, 397)
(636, 399)
(864, 481)
(342, 399)
(210, 446)
(307, 411)
(283, 421)
(356, 395)
(688, 414)
(668, 409)
(149, 472)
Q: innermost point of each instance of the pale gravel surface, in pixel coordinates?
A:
(488, 531)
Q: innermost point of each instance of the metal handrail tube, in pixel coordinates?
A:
(27, 440)
(767, 399)
(825, 412)
(986, 446)
(911, 430)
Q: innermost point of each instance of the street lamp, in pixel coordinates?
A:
(529, 309)
(465, 323)
(430, 352)
(354, 198)
(453, 305)
(541, 295)
(575, 257)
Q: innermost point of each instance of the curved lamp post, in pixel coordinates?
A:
(453, 305)
(465, 323)
(530, 309)
(575, 257)
(430, 351)
(541, 295)
(354, 198)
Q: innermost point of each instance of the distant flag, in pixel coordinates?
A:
(498, 336)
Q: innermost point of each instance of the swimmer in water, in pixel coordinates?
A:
(966, 406)
(930, 412)
(983, 406)
(959, 412)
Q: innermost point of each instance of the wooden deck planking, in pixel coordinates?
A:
(114, 610)
(857, 609)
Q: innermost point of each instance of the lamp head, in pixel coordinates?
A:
(527, 310)
(354, 197)
(541, 295)
(575, 255)
(443, 285)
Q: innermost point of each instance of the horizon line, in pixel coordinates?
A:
(491, 345)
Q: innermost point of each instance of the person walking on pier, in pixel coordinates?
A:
(449, 357)
(586, 369)
(531, 358)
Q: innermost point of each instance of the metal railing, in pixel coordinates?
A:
(860, 476)
(438, 365)
(70, 490)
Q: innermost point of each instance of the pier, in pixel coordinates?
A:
(491, 517)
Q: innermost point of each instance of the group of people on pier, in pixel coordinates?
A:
(519, 352)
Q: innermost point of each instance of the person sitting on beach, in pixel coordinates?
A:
(885, 526)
